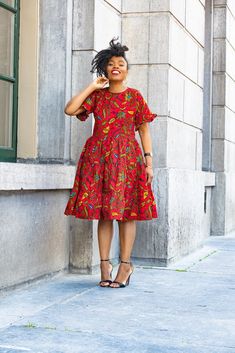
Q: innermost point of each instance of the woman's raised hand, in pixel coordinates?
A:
(73, 106)
(100, 82)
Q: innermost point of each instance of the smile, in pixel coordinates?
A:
(115, 72)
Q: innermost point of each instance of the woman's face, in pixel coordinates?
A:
(117, 68)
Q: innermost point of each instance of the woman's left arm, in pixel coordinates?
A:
(146, 142)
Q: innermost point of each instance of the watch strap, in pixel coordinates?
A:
(148, 154)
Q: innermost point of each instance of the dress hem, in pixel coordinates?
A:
(112, 219)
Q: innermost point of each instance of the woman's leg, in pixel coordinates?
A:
(127, 233)
(105, 235)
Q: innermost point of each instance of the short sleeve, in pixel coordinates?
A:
(89, 104)
(143, 113)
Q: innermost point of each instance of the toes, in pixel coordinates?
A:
(114, 285)
(104, 284)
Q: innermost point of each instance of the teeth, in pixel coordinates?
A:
(115, 72)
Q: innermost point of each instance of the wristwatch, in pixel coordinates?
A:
(148, 154)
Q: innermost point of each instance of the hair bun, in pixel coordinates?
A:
(125, 48)
(117, 47)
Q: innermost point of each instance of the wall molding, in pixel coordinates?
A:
(19, 176)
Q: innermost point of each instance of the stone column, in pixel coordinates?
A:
(223, 131)
(52, 80)
(166, 40)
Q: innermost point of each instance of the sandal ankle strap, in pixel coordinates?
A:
(126, 262)
(104, 260)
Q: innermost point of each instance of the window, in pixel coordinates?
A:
(9, 43)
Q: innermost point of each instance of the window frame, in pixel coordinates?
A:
(9, 154)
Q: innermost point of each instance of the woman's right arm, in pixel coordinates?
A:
(73, 106)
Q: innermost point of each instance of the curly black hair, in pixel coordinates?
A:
(100, 61)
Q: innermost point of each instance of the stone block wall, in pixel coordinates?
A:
(167, 65)
(34, 238)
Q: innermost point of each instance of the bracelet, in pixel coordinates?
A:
(148, 154)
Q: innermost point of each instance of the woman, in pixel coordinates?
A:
(112, 181)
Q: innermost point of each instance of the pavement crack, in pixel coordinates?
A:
(187, 268)
(78, 295)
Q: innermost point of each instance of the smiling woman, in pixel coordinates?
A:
(112, 181)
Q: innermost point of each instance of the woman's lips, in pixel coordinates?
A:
(115, 72)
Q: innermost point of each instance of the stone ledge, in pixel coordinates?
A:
(19, 176)
(209, 178)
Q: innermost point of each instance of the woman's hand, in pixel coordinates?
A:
(74, 105)
(149, 174)
(100, 82)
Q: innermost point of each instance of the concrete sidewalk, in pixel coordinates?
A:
(185, 308)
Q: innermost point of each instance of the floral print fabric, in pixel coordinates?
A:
(110, 181)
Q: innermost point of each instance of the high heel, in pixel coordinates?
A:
(124, 284)
(106, 280)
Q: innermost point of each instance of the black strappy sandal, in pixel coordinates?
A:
(106, 280)
(124, 284)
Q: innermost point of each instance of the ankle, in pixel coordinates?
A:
(125, 261)
(105, 263)
(125, 264)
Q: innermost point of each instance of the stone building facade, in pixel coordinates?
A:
(181, 55)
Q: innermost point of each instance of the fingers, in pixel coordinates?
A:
(102, 79)
(149, 178)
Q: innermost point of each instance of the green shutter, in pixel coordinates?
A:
(8, 154)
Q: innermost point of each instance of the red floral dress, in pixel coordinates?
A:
(110, 181)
